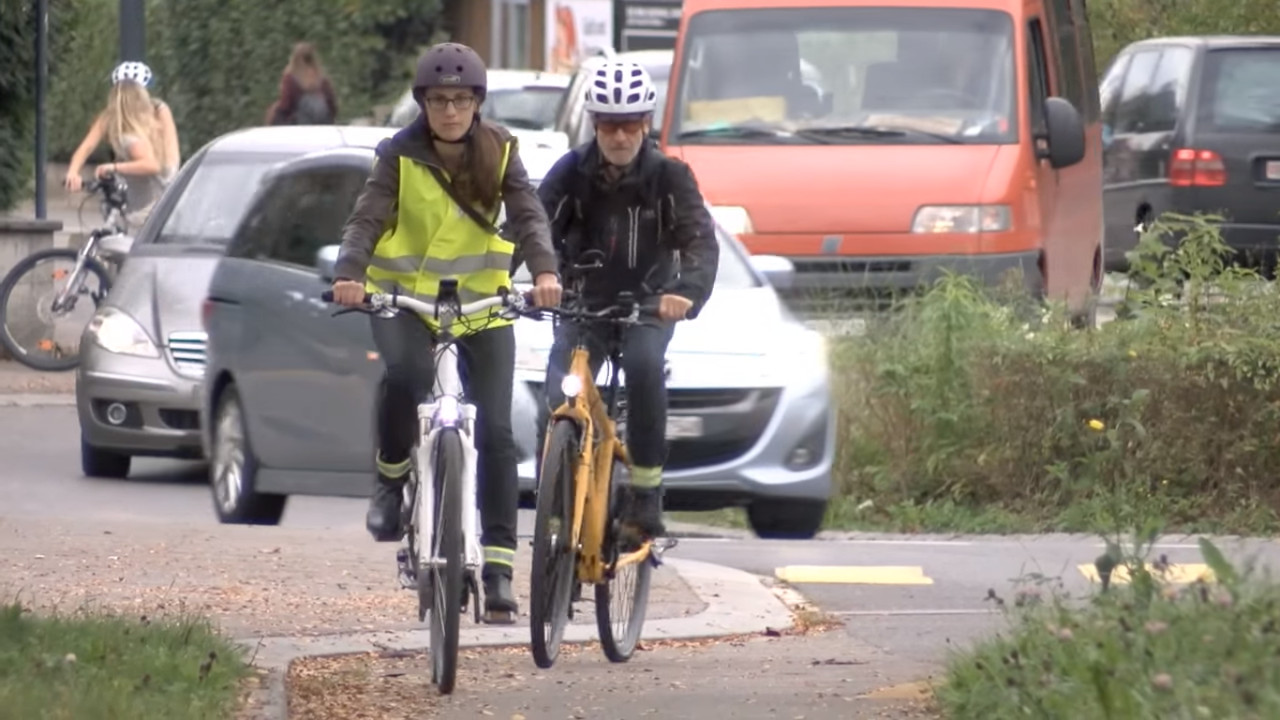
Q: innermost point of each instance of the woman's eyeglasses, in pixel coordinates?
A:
(462, 103)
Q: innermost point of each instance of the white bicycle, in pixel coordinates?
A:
(442, 555)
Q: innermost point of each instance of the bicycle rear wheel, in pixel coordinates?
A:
(552, 576)
(446, 574)
(621, 602)
(31, 286)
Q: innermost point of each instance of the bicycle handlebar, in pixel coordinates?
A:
(378, 301)
(114, 189)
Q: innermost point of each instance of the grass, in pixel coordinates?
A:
(85, 667)
(1147, 649)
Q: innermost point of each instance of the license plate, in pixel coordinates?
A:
(684, 426)
(843, 326)
(1273, 170)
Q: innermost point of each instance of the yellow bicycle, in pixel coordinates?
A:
(578, 538)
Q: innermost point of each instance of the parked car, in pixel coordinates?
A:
(943, 135)
(523, 101)
(143, 353)
(289, 397)
(1193, 124)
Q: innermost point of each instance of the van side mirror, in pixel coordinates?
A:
(326, 258)
(1066, 133)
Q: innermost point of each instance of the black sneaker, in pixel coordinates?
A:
(500, 606)
(642, 512)
(383, 518)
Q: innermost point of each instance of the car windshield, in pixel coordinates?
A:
(526, 108)
(216, 198)
(1242, 91)
(847, 75)
(660, 79)
(733, 274)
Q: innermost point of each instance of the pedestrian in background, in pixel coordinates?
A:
(143, 140)
(306, 95)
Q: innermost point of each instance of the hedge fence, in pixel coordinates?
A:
(218, 62)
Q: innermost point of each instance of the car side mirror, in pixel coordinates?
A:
(777, 270)
(326, 259)
(1065, 133)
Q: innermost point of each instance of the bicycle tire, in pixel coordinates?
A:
(619, 647)
(552, 575)
(22, 267)
(449, 581)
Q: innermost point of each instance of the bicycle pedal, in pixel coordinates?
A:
(499, 617)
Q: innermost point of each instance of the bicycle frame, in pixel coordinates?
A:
(596, 456)
(446, 409)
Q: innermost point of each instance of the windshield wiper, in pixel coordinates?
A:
(880, 131)
(746, 131)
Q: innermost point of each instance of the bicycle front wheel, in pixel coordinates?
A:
(621, 602)
(552, 575)
(445, 563)
(31, 329)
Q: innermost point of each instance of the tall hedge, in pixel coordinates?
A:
(218, 62)
(17, 45)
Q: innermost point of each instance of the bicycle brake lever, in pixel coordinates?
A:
(344, 311)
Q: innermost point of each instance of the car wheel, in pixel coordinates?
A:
(774, 519)
(233, 469)
(98, 463)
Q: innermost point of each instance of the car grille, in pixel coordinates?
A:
(187, 350)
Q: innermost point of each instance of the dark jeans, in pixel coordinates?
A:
(644, 351)
(487, 366)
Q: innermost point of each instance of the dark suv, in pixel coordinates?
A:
(1192, 124)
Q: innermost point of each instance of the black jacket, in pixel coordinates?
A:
(653, 226)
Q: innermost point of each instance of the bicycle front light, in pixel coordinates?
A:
(116, 332)
(571, 386)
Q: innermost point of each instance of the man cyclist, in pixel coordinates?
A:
(619, 194)
(426, 213)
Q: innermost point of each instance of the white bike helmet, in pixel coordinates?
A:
(132, 70)
(621, 88)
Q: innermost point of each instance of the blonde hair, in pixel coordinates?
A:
(305, 66)
(130, 111)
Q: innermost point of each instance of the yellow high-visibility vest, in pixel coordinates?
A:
(433, 238)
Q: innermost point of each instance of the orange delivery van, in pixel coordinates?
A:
(876, 144)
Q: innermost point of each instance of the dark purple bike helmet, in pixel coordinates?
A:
(450, 65)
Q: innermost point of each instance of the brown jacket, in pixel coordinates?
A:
(527, 225)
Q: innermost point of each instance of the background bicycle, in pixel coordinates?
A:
(49, 297)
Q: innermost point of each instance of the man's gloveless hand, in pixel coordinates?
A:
(673, 307)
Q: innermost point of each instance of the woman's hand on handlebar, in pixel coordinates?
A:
(348, 293)
(546, 290)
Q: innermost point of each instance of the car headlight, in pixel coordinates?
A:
(806, 355)
(735, 220)
(116, 332)
(961, 219)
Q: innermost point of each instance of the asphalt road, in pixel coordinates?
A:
(904, 600)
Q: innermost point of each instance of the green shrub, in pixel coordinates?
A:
(1147, 649)
(961, 408)
(17, 101)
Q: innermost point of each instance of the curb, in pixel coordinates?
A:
(27, 400)
(738, 603)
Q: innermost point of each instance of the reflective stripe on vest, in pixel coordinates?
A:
(431, 239)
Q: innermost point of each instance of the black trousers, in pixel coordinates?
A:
(644, 352)
(487, 366)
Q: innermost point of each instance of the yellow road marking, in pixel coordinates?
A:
(1176, 573)
(854, 574)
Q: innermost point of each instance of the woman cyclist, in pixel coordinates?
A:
(142, 136)
(407, 232)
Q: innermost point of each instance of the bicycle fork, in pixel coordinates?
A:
(71, 290)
